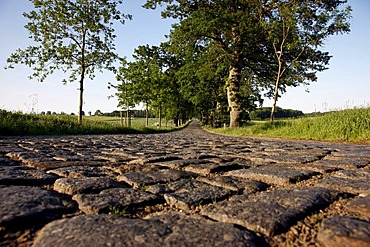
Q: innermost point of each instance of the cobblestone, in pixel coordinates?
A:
(270, 174)
(271, 212)
(343, 231)
(185, 188)
(163, 230)
(120, 198)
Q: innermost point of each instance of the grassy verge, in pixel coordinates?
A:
(29, 124)
(352, 125)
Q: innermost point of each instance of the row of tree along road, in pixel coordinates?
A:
(221, 57)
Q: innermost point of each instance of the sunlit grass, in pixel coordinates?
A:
(17, 123)
(351, 125)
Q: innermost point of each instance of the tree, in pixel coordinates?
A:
(264, 40)
(230, 25)
(98, 113)
(75, 36)
(136, 80)
(201, 80)
(126, 98)
(152, 79)
(296, 31)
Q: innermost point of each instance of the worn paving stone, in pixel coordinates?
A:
(6, 147)
(196, 193)
(167, 230)
(271, 174)
(177, 164)
(237, 184)
(46, 165)
(342, 163)
(271, 212)
(360, 205)
(321, 168)
(119, 197)
(6, 162)
(20, 175)
(25, 204)
(143, 161)
(284, 158)
(84, 171)
(362, 174)
(357, 186)
(342, 231)
(193, 230)
(72, 186)
(139, 179)
(24, 156)
(208, 168)
(168, 187)
(352, 152)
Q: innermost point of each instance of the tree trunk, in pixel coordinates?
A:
(233, 96)
(146, 115)
(128, 117)
(121, 117)
(160, 117)
(274, 102)
(81, 102)
(276, 92)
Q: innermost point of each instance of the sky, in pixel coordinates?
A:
(346, 84)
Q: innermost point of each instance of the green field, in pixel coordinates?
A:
(16, 123)
(352, 125)
(135, 122)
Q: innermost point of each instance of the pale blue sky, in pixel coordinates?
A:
(345, 85)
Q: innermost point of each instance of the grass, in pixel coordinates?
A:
(17, 123)
(351, 125)
(116, 210)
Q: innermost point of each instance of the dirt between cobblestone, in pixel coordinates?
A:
(185, 188)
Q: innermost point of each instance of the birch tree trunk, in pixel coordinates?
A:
(146, 114)
(81, 102)
(233, 96)
(276, 92)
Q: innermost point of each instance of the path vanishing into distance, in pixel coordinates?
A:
(184, 188)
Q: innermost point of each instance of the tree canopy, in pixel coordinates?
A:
(75, 36)
(265, 45)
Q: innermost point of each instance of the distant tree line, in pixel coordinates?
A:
(133, 113)
(55, 113)
(265, 112)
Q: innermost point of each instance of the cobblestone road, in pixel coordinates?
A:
(186, 188)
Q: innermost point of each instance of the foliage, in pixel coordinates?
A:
(75, 36)
(297, 30)
(351, 125)
(228, 31)
(264, 45)
(150, 79)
